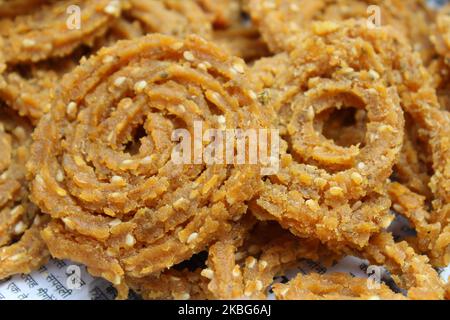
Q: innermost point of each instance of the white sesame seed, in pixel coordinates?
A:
(59, 176)
(127, 162)
(39, 179)
(348, 70)
(179, 203)
(188, 56)
(72, 109)
(312, 204)
(27, 43)
(118, 180)
(356, 178)
(4, 176)
(185, 296)
(202, 66)
(116, 196)
(397, 208)
(16, 210)
(207, 273)
(79, 160)
(113, 8)
(263, 264)
(361, 166)
(130, 240)
(374, 75)
(16, 257)
(37, 220)
(20, 133)
(192, 237)
(19, 227)
(108, 59)
(236, 271)
(221, 119)
(386, 128)
(251, 262)
(146, 160)
(311, 114)
(294, 7)
(61, 192)
(238, 67)
(140, 86)
(356, 205)
(252, 95)
(321, 182)
(259, 285)
(114, 222)
(68, 222)
(336, 191)
(120, 81)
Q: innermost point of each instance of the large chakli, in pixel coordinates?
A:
(317, 192)
(102, 163)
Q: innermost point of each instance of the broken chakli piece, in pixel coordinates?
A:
(22, 249)
(102, 163)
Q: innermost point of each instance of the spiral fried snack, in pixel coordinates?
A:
(171, 17)
(325, 190)
(48, 32)
(21, 247)
(102, 162)
(334, 286)
(353, 51)
(280, 20)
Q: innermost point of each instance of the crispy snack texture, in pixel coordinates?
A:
(127, 131)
